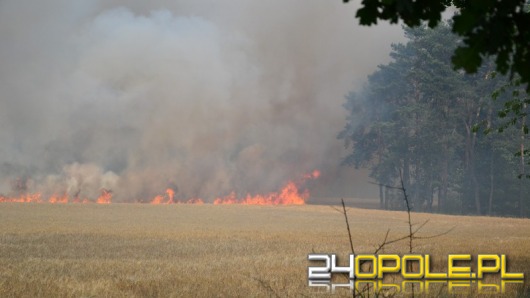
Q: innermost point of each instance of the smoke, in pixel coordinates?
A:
(205, 98)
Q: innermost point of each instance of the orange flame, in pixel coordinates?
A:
(54, 199)
(24, 198)
(313, 175)
(290, 194)
(157, 200)
(105, 197)
(170, 194)
(169, 199)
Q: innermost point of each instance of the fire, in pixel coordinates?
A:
(170, 194)
(313, 175)
(158, 200)
(56, 199)
(290, 194)
(25, 198)
(168, 198)
(105, 197)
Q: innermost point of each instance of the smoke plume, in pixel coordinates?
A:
(205, 97)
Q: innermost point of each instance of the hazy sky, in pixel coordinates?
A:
(202, 96)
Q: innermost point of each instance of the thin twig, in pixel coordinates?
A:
(406, 198)
(411, 235)
(347, 225)
(386, 185)
(436, 235)
(336, 209)
(382, 245)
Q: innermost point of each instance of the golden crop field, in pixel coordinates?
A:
(138, 250)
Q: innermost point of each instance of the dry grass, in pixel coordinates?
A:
(204, 250)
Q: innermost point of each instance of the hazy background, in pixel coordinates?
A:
(201, 96)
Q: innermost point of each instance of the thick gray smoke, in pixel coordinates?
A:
(205, 97)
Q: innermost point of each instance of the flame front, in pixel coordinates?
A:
(54, 199)
(105, 197)
(289, 194)
(169, 198)
(25, 198)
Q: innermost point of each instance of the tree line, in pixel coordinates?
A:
(458, 141)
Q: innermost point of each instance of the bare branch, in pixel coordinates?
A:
(336, 209)
(411, 235)
(436, 235)
(385, 185)
(347, 225)
(382, 245)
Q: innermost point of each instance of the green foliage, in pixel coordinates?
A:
(417, 116)
(411, 12)
(488, 28)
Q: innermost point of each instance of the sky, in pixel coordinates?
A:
(205, 97)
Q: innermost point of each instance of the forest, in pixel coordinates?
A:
(458, 142)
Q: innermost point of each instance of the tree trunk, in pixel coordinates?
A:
(381, 197)
(490, 198)
(470, 160)
(430, 195)
(387, 196)
(406, 177)
(476, 189)
(442, 192)
(523, 174)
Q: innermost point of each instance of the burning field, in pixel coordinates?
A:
(183, 250)
(175, 102)
(290, 194)
(172, 149)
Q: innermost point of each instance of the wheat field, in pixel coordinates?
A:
(138, 250)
